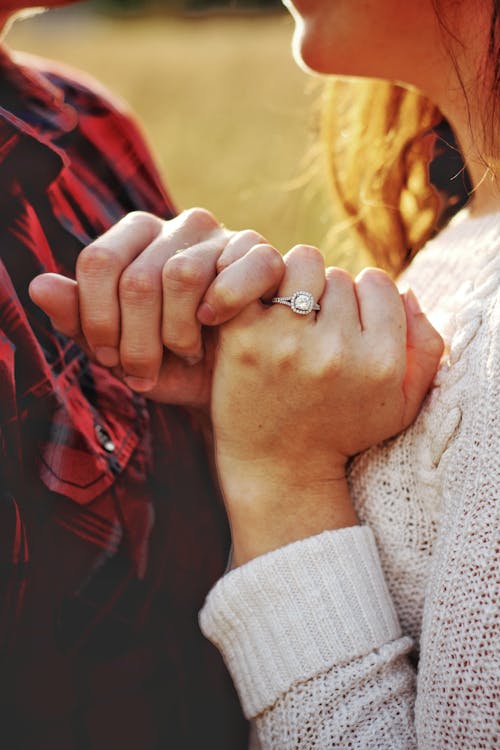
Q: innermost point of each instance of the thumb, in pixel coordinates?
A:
(58, 298)
(424, 347)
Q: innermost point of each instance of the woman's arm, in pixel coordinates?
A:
(306, 624)
(310, 635)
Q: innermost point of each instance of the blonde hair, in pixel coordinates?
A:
(378, 141)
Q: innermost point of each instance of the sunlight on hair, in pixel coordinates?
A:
(378, 143)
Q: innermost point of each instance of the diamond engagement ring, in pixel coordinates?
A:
(301, 302)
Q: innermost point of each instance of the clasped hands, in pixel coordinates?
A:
(180, 310)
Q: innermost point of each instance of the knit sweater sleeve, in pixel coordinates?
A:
(312, 641)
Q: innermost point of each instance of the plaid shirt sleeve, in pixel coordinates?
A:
(111, 528)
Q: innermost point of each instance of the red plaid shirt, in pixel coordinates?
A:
(111, 530)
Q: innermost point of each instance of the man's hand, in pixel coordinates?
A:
(145, 289)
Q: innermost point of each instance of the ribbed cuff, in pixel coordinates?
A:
(295, 612)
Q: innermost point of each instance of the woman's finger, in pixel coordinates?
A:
(254, 276)
(99, 268)
(379, 300)
(339, 315)
(239, 244)
(424, 350)
(383, 319)
(305, 271)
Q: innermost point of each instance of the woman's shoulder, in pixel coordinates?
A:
(476, 237)
(459, 265)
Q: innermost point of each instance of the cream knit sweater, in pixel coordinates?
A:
(322, 637)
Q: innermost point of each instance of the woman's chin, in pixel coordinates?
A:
(304, 52)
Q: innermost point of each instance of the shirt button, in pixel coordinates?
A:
(104, 438)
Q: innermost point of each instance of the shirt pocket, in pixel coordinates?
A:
(94, 429)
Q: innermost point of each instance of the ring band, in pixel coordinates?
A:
(300, 302)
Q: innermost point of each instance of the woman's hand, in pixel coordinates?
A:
(145, 287)
(294, 396)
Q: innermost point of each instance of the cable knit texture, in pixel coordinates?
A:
(320, 636)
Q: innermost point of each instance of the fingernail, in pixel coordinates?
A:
(139, 384)
(412, 302)
(193, 360)
(205, 314)
(107, 356)
(32, 287)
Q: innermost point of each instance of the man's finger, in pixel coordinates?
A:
(58, 298)
(185, 278)
(99, 268)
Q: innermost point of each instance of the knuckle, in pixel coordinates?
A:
(138, 284)
(200, 219)
(138, 363)
(331, 365)
(386, 369)
(336, 275)
(375, 276)
(222, 263)
(287, 350)
(96, 260)
(184, 350)
(183, 271)
(435, 344)
(182, 339)
(143, 219)
(99, 331)
(225, 298)
(308, 252)
(271, 260)
(238, 246)
(242, 345)
(250, 237)
(139, 358)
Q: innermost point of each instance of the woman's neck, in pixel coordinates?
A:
(484, 171)
(486, 198)
(461, 84)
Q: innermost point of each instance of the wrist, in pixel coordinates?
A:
(269, 507)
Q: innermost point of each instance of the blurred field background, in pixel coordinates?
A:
(230, 117)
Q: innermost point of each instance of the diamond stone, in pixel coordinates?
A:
(302, 302)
